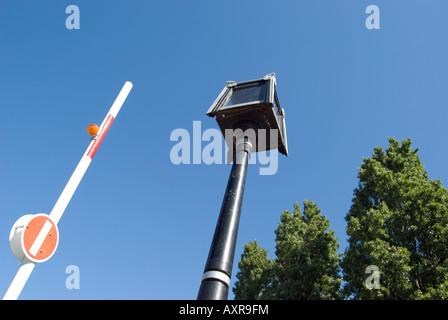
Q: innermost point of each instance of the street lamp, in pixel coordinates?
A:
(249, 108)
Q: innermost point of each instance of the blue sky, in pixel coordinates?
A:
(140, 227)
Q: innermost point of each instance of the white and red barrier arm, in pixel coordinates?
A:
(86, 159)
(27, 266)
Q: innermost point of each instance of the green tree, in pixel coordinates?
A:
(254, 274)
(307, 261)
(398, 222)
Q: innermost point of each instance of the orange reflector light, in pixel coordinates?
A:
(93, 129)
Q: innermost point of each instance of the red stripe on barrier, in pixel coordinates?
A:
(100, 138)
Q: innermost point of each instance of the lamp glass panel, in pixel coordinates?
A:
(247, 95)
(276, 110)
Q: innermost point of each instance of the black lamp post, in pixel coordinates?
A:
(248, 106)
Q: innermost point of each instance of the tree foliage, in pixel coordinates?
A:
(398, 221)
(254, 274)
(307, 261)
(397, 228)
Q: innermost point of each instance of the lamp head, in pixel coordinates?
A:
(252, 104)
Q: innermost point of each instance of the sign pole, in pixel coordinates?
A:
(19, 228)
(19, 280)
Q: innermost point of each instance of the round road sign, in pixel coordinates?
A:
(35, 237)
